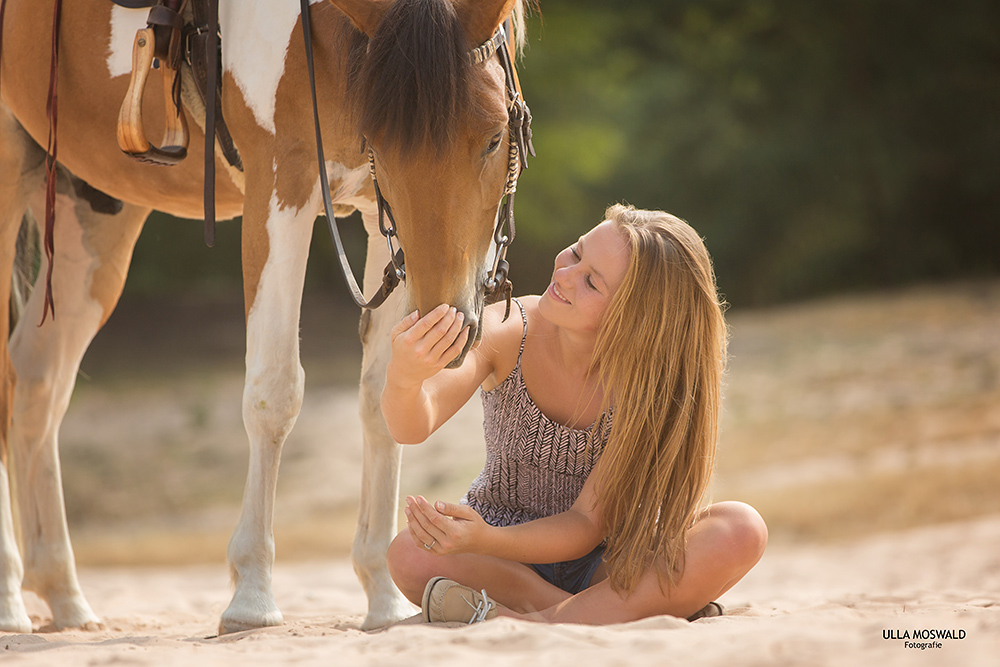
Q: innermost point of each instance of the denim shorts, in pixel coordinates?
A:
(572, 576)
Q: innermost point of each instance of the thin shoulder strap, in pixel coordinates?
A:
(524, 332)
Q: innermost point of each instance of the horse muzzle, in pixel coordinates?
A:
(472, 322)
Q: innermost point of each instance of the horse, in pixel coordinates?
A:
(394, 77)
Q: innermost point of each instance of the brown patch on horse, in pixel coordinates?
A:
(293, 109)
(257, 147)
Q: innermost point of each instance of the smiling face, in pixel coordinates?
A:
(586, 276)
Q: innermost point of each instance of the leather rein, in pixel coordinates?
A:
(496, 283)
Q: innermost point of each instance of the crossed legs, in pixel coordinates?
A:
(723, 545)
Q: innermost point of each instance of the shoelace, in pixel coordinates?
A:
(480, 610)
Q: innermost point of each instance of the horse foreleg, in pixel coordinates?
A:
(93, 255)
(382, 455)
(275, 249)
(21, 172)
(13, 615)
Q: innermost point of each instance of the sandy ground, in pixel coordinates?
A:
(800, 606)
(866, 430)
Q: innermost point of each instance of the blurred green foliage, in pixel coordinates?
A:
(816, 145)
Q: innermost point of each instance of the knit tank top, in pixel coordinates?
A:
(535, 467)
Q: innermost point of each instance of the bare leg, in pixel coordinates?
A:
(93, 255)
(725, 543)
(514, 585)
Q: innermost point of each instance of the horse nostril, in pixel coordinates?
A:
(475, 333)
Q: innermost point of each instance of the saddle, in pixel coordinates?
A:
(172, 39)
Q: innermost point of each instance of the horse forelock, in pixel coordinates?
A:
(413, 80)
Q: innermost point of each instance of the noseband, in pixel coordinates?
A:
(496, 284)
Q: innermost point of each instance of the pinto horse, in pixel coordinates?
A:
(396, 74)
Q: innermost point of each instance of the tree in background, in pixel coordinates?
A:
(818, 146)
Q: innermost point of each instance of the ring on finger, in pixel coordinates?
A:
(431, 545)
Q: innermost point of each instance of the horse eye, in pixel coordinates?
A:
(494, 142)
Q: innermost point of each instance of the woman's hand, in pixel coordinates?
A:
(444, 528)
(422, 347)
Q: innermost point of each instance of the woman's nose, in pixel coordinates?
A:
(566, 271)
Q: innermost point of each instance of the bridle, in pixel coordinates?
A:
(496, 283)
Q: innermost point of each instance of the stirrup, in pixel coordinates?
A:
(131, 134)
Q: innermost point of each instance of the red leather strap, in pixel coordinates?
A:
(52, 112)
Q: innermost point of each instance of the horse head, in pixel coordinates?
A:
(436, 124)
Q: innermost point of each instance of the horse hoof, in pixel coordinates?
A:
(73, 612)
(235, 620)
(400, 609)
(15, 620)
(228, 626)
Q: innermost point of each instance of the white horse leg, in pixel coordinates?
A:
(20, 173)
(93, 254)
(382, 455)
(13, 615)
(272, 398)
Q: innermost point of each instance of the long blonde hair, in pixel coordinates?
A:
(660, 355)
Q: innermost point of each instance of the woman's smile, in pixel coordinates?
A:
(557, 293)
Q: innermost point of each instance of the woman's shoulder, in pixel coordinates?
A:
(502, 337)
(538, 326)
(515, 323)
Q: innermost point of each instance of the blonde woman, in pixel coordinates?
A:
(601, 411)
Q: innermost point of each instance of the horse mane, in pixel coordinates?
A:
(410, 83)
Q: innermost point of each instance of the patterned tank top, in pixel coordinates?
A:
(535, 467)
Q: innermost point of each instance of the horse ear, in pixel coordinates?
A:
(481, 17)
(364, 14)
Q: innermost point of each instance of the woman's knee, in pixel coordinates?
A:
(407, 566)
(746, 531)
(398, 557)
(736, 533)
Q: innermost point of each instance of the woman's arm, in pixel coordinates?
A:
(419, 395)
(453, 529)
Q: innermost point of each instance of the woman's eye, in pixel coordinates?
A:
(494, 142)
(575, 253)
(590, 284)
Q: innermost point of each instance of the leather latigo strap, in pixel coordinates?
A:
(137, 4)
(197, 38)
